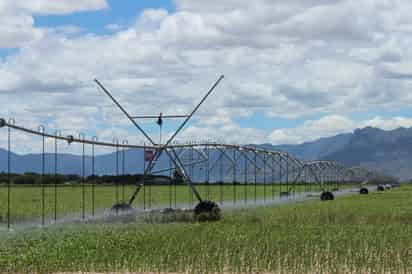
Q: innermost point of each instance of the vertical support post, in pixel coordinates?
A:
(234, 175)
(287, 174)
(170, 183)
(150, 194)
(8, 176)
(208, 172)
(246, 179)
(221, 178)
(116, 181)
(273, 174)
(82, 137)
(280, 174)
(43, 206)
(255, 171)
(124, 142)
(311, 179)
(175, 187)
(93, 176)
(175, 183)
(264, 177)
(144, 168)
(191, 173)
(337, 178)
(55, 176)
(305, 174)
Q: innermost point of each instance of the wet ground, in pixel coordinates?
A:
(181, 213)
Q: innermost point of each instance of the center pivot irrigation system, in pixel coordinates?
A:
(321, 171)
(203, 207)
(231, 168)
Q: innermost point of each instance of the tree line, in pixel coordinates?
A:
(31, 178)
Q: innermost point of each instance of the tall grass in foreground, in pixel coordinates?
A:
(357, 234)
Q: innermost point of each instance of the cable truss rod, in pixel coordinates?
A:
(157, 116)
(71, 139)
(194, 110)
(185, 164)
(124, 112)
(230, 146)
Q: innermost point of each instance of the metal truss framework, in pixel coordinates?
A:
(198, 164)
(215, 163)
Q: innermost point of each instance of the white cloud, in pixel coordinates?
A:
(313, 129)
(388, 124)
(55, 7)
(333, 125)
(281, 58)
(17, 29)
(17, 26)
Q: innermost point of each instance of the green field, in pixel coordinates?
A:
(353, 234)
(26, 201)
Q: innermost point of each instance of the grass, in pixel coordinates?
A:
(26, 201)
(354, 234)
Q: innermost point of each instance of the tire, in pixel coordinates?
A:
(381, 188)
(207, 211)
(284, 194)
(327, 196)
(364, 191)
(121, 207)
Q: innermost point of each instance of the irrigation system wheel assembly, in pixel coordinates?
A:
(121, 208)
(364, 191)
(381, 188)
(327, 196)
(203, 207)
(207, 211)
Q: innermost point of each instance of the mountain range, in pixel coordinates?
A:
(387, 151)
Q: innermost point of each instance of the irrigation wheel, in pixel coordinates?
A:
(284, 194)
(206, 211)
(364, 191)
(121, 207)
(327, 196)
(381, 188)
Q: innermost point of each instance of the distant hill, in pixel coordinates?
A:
(104, 164)
(387, 151)
(71, 164)
(314, 150)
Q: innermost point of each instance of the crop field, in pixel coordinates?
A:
(353, 234)
(26, 201)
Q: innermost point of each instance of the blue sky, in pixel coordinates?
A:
(291, 76)
(120, 12)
